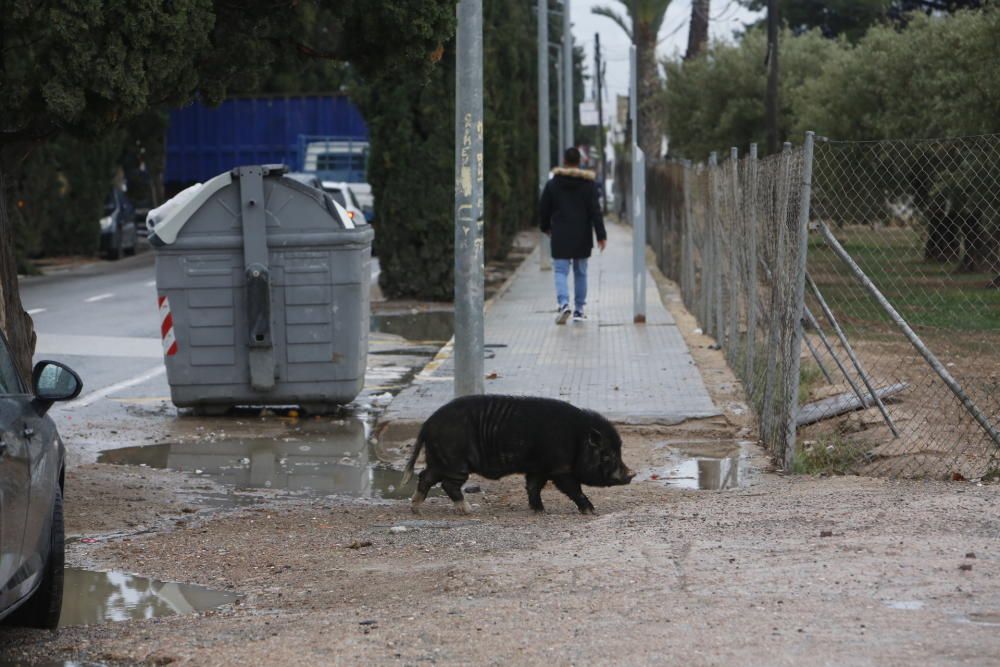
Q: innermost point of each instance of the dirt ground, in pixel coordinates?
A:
(782, 571)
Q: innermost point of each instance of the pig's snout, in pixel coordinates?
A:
(623, 475)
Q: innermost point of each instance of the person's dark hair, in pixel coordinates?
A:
(572, 156)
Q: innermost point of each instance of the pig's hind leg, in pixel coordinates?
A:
(571, 487)
(427, 478)
(453, 487)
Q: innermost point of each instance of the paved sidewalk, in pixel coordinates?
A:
(630, 373)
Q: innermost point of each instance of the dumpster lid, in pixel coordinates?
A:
(166, 221)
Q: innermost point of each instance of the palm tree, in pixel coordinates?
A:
(698, 33)
(642, 26)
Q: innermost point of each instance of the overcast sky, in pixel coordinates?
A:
(726, 16)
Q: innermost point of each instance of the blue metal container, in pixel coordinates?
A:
(204, 141)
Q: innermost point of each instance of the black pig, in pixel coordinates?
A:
(495, 436)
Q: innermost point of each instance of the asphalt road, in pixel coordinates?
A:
(102, 320)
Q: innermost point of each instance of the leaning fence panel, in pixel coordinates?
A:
(906, 255)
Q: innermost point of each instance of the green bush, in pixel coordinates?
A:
(717, 101)
(936, 78)
(411, 124)
(60, 192)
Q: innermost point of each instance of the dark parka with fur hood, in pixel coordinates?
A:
(570, 210)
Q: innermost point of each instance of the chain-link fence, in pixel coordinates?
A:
(921, 220)
(882, 354)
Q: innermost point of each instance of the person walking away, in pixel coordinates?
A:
(569, 213)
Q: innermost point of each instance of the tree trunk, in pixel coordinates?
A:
(771, 96)
(982, 254)
(649, 93)
(943, 241)
(14, 322)
(698, 32)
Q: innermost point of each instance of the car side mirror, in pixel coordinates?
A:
(53, 381)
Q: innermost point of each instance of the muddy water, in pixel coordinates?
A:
(336, 460)
(100, 597)
(696, 469)
(430, 326)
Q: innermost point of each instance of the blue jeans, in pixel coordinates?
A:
(561, 270)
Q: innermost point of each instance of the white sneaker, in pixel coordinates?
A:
(564, 313)
(578, 316)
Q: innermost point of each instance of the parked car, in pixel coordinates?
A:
(118, 228)
(32, 466)
(343, 194)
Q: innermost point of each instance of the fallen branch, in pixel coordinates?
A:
(810, 413)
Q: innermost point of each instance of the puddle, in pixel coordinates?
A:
(991, 618)
(904, 604)
(93, 597)
(336, 460)
(424, 326)
(694, 471)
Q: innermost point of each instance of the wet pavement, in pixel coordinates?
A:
(307, 457)
(416, 325)
(93, 597)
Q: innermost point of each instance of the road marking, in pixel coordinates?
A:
(35, 311)
(95, 396)
(99, 297)
(99, 346)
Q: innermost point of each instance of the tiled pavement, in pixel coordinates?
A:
(628, 372)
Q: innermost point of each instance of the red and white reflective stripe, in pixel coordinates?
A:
(167, 328)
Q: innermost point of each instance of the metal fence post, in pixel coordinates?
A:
(720, 306)
(778, 296)
(752, 268)
(708, 261)
(798, 302)
(469, 284)
(846, 344)
(686, 258)
(732, 333)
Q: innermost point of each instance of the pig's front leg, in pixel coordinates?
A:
(568, 485)
(534, 484)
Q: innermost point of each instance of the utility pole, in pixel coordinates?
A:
(544, 118)
(544, 149)
(567, 61)
(771, 97)
(469, 285)
(638, 204)
(599, 93)
(560, 112)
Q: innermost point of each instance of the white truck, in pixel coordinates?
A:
(345, 160)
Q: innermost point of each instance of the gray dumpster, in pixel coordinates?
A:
(263, 287)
